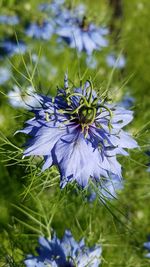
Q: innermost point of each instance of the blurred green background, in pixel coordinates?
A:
(29, 203)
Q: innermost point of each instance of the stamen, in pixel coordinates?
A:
(85, 128)
(86, 133)
(47, 117)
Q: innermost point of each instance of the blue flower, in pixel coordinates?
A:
(60, 12)
(127, 101)
(11, 47)
(79, 10)
(148, 169)
(40, 31)
(71, 25)
(64, 253)
(9, 20)
(4, 75)
(148, 164)
(113, 61)
(146, 245)
(57, 11)
(82, 35)
(80, 134)
(54, 7)
(65, 16)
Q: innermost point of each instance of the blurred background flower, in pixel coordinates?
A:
(9, 20)
(10, 47)
(43, 30)
(116, 62)
(66, 252)
(5, 75)
(146, 246)
(23, 98)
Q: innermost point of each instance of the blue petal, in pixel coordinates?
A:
(69, 245)
(77, 41)
(91, 257)
(147, 255)
(126, 141)
(33, 262)
(44, 141)
(110, 186)
(48, 162)
(121, 117)
(147, 245)
(98, 39)
(88, 44)
(76, 162)
(112, 165)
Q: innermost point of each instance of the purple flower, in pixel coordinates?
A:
(40, 31)
(11, 47)
(113, 61)
(82, 35)
(9, 20)
(64, 253)
(80, 134)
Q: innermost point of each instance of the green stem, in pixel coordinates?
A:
(91, 90)
(71, 112)
(102, 106)
(83, 97)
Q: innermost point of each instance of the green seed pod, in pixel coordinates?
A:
(86, 114)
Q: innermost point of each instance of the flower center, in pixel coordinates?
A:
(84, 24)
(86, 114)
